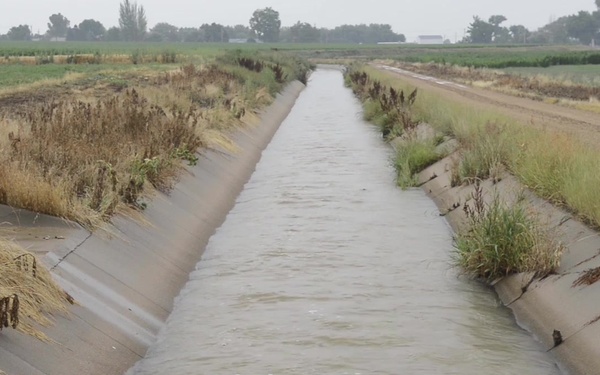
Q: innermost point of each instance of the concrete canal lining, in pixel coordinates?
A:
(125, 284)
(540, 305)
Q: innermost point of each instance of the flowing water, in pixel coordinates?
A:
(324, 266)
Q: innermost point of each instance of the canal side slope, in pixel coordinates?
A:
(125, 282)
(540, 305)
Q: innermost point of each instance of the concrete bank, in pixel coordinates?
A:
(553, 303)
(126, 284)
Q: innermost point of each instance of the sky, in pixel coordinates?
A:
(449, 18)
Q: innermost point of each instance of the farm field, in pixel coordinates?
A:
(579, 74)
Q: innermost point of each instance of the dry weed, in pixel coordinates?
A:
(28, 294)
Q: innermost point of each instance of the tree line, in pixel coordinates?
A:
(582, 28)
(263, 26)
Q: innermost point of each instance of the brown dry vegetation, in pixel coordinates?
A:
(589, 277)
(28, 295)
(86, 158)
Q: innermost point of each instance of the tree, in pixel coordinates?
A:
(584, 26)
(113, 34)
(165, 32)
(598, 3)
(553, 33)
(480, 31)
(190, 35)
(58, 26)
(92, 30)
(132, 21)
(303, 32)
(19, 33)
(265, 23)
(214, 33)
(519, 33)
(238, 31)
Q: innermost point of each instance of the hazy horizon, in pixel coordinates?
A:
(411, 18)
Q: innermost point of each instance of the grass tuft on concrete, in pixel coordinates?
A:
(413, 156)
(500, 240)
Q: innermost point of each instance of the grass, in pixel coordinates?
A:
(28, 295)
(555, 166)
(501, 240)
(413, 156)
(86, 159)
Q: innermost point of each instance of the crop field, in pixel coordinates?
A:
(578, 74)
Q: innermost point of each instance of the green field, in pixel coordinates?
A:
(588, 75)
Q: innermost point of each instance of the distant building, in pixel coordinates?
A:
(430, 39)
(57, 39)
(390, 43)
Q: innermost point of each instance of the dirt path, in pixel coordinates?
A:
(581, 124)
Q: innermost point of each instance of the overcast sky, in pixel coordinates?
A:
(411, 17)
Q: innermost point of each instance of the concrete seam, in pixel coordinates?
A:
(71, 252)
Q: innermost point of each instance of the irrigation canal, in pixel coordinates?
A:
(324, 266)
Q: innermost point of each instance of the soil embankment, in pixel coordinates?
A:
(126, 284)
(581, 124)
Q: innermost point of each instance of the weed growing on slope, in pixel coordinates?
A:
(412, 156)
(500, 240)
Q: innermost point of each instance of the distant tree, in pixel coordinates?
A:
(265, 23)
(553, 33)
(190, 35)
(165, 32)
(303, 32)
(214, 33)
(113, 34)
(20, 33)
(58, 26)
(75, 34)
(584, 26)
(238, 31)
(480, 32)
(598, 3)
(362, 33)
(92, 29)
(519, 33)
(132, 21)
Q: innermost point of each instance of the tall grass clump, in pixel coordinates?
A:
(500, 240)
(485, 153)
(413, 156)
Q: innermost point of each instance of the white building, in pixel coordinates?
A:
(430, 39)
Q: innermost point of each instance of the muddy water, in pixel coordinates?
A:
(325, 267)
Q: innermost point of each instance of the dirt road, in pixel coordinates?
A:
(581, 124)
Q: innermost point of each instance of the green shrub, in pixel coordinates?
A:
(501, 240)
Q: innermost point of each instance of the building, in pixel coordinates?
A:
(430, 39)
